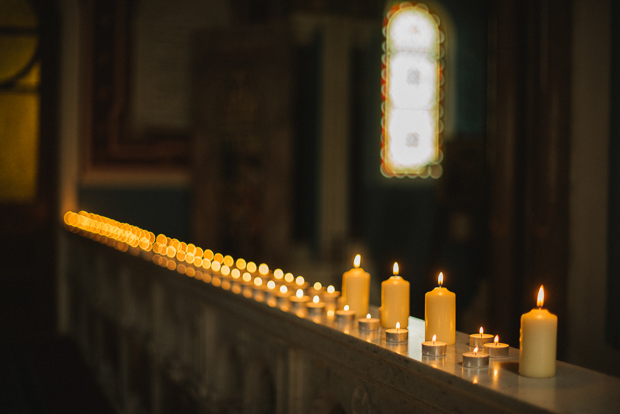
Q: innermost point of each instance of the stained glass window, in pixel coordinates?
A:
(411, 79)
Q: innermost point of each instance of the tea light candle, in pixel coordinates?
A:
(475, 359)
(258, 291)
(434, 348)
(394, 300)
(356, 288)
(480, 339)
(496, 349)
(298, 300)
(282, 295)
(330, 297)
(538, 341)
(300, 283)
(316, 309)
(270, 291)
(368, 323)
(440, 314)
(345, 315)
(397, 334)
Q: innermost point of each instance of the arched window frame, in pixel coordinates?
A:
(398, 151)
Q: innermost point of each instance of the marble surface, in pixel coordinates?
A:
(572, 390)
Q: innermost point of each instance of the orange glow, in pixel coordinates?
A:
(368, 316)
(161, 239)
(183, 246)
(440, 279)
(481, 331)
(191, 248)
(300, 293)
(235, 273)
(219, 257)
(197, 262)
(198, 252)
(215, 266)
(240, 264)
(397, 326)
(189, 258)
(263, 269)
(247, 277)
(190, 272)
(496, 340)
(475, 350)
(228, 261)
(346, 307)
(258, 281)
(315, 299)
(331, 289)
(434, 339)
(181, 255)
(251, 267)
(216, 282)
(206, 264)
(208, 254)
(541, 297)
(395, 269)
(300, 280)
(271, 285)
(318, 286)
(357, 261)
(172, 265)
(225, 270)
(283, 289)
(330, 313)
(171, 252)
(181, 269)
(289, 277)
(278, 274)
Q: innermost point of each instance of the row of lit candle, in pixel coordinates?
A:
(538, 327)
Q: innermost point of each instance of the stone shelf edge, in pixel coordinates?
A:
(373, 374)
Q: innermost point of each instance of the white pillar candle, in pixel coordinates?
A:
(538, 341)
(394, 301)
(356, 289)
(440, 314)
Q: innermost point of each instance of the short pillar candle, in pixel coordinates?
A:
(356, 288)
(394, 300)
(538, 341)
(440, 314)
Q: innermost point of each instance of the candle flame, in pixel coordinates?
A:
(346, 307)
(331, 289)
(541, 297)
(246, 277)
(315, 299)
(271, 284)
(475, 350)
(397, 325)
(300, 293)
(283, 289)
(496, 340)
(258, 281)
(289, 277)
(440, 279)
(300, 280)
(481, 331)
(434, 339)
(368, 316)
(330, 313)
(278, 274)
(357, 261)
(263, 269)
(318, 286)
(395, 269)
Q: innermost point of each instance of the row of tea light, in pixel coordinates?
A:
(537, 356)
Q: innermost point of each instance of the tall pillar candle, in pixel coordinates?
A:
(356, 289)
(440, 314)
(394, 301)
(538, 341)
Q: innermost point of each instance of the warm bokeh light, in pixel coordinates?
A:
(229, 261)
(475, 350)
(198, 252)
(541, 297)
(247, 277)
(357, 261)
(225, 270)
(240, 263)
(496, 339)
(331, 289)
(251, 267)
(215, 266)
(263, 269)
(208, 254)
(330, 313)
(346, 307)
(397, 325)
(191, 248)
(278, 274)
(395, 269)
(300, 293)
(368, 316)
(171, 252)
(288, 278)
(283, 289)
(206, 264)
(440, 279)
(481, 331)
(218, 257)
(317, 286)
(258, 281)
(315, 299)
(299, 280)
(235, 273)
(434, 339)
(271, 285)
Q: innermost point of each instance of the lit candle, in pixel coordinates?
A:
(316, 308)
(270, 291)
(282, 300)
(298, 300)
(258, 290)
(394, 301)
(475, 359)
(345, 316)
(434, 348)
(440, 314)
(356, 288)
(330, 297)
(368, 323)
(496, 349)
(480, 338)
(538, 341)
(397, 334)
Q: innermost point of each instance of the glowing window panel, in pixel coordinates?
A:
(411, 91)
